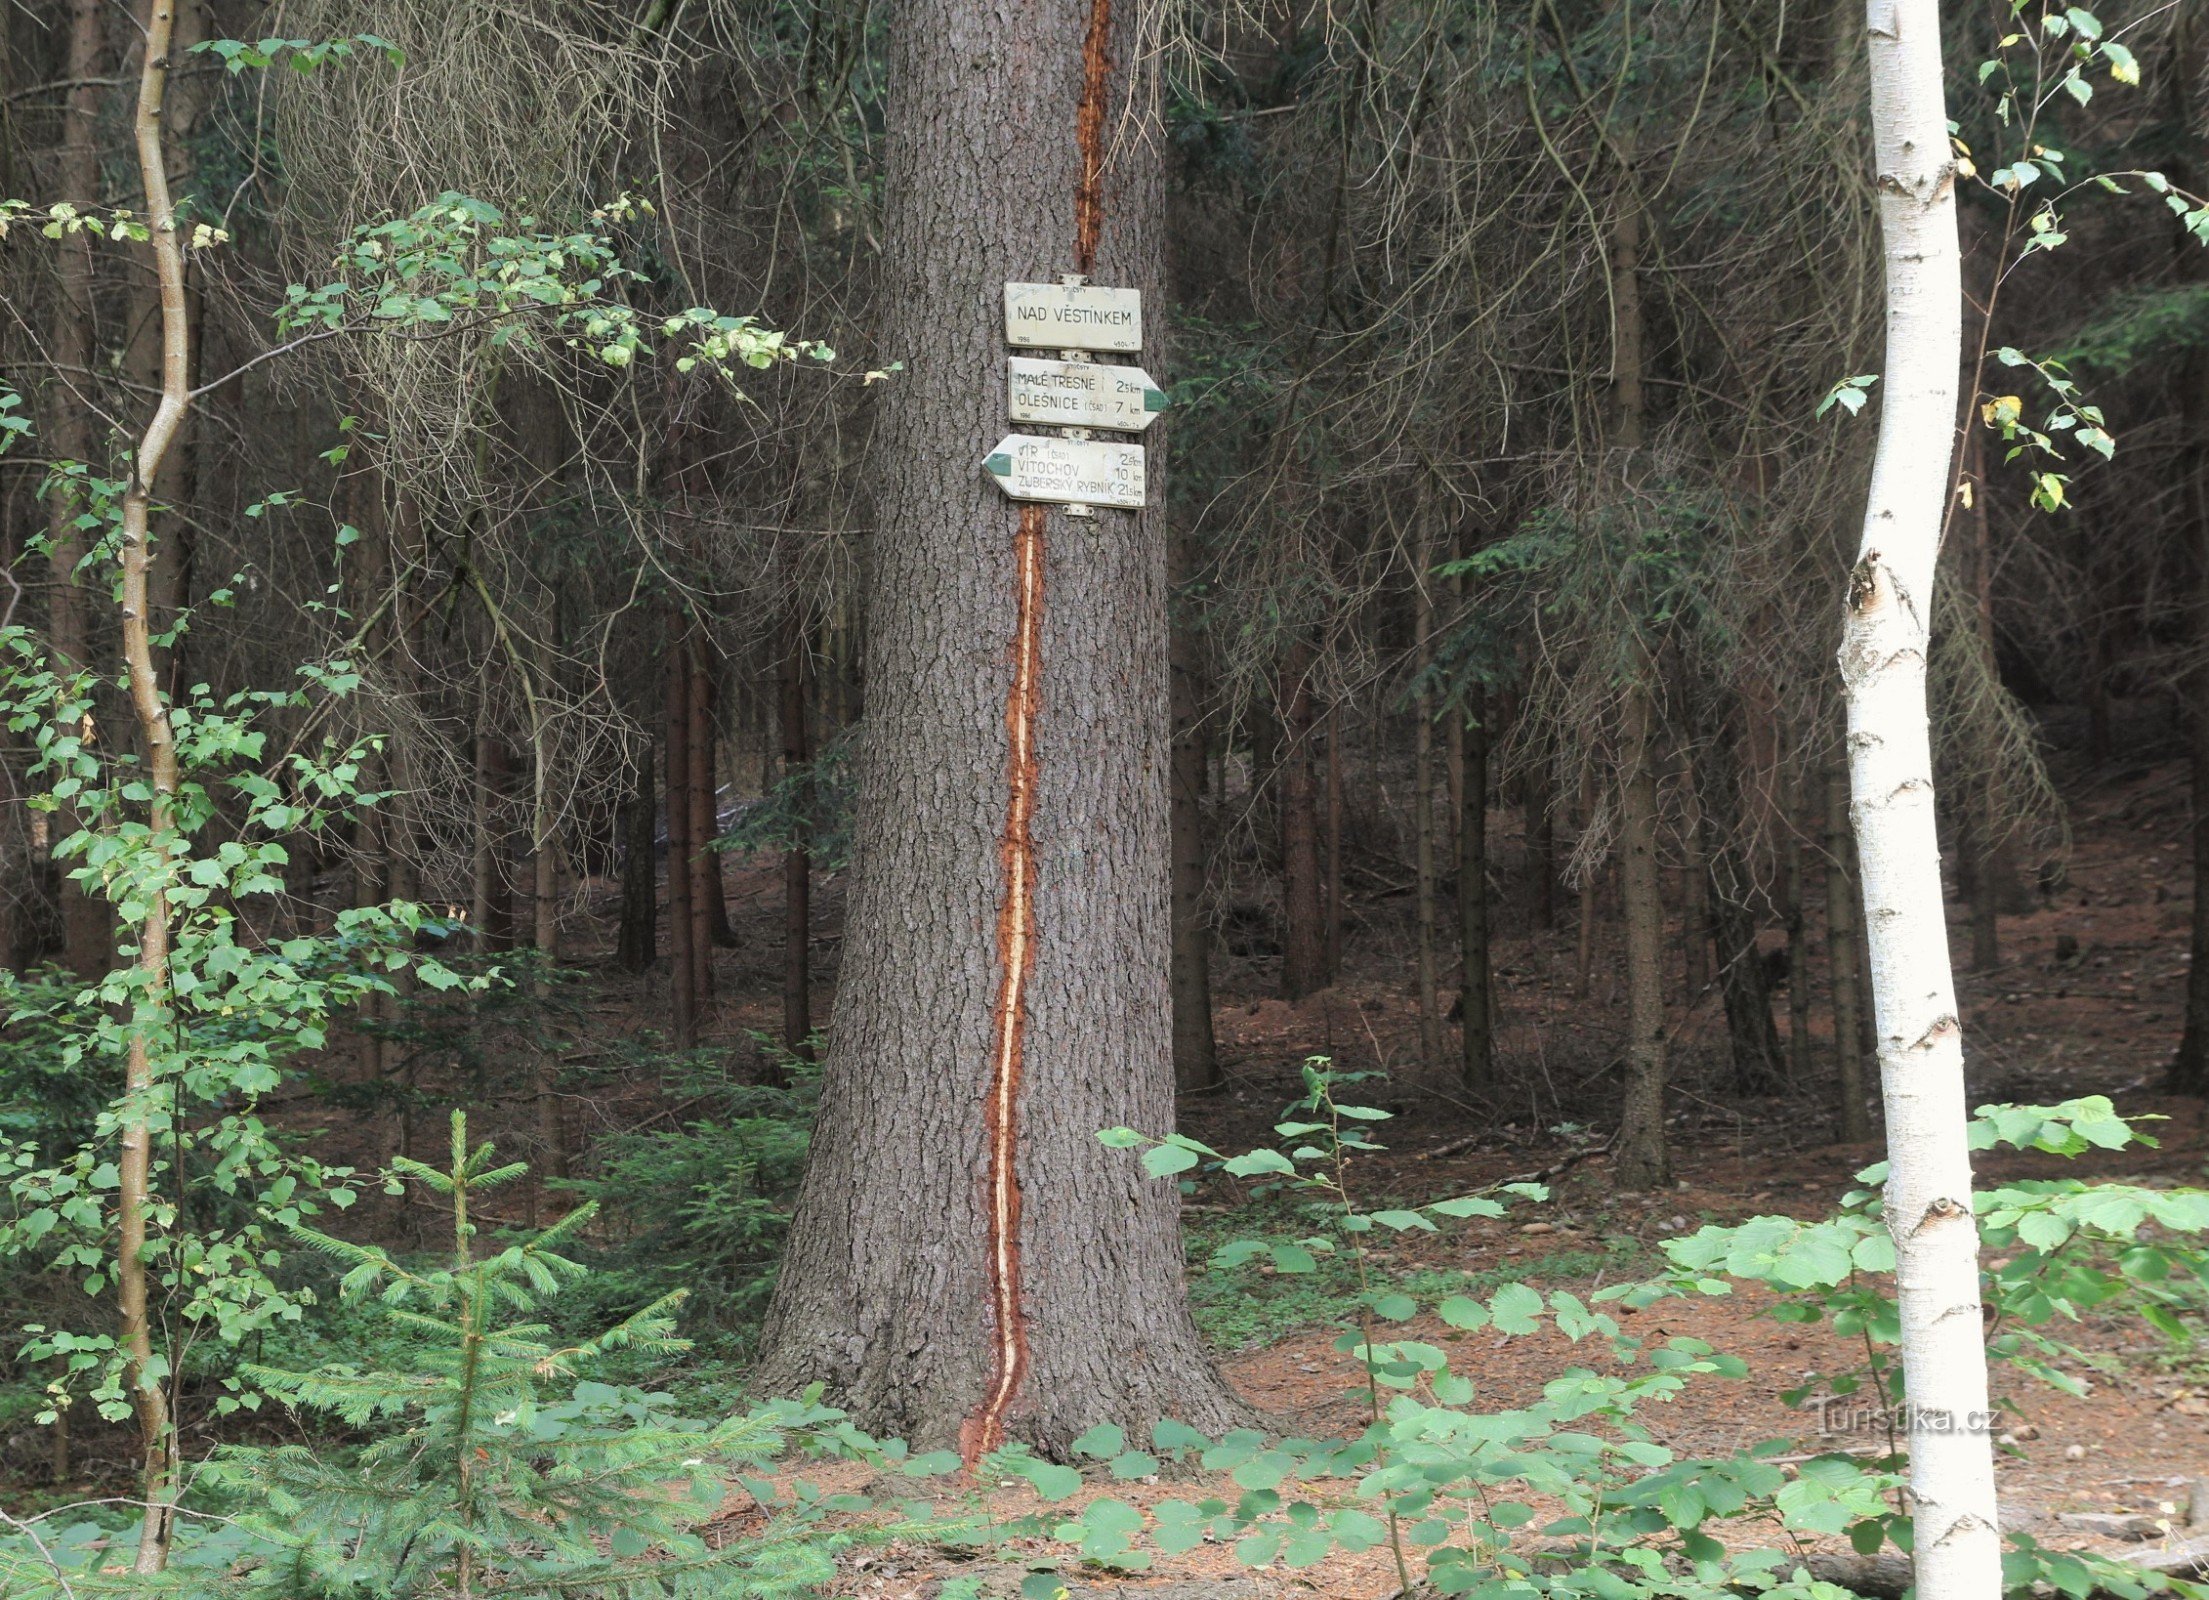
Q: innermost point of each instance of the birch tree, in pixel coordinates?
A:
(1887, 612)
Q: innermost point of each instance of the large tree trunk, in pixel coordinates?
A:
(1957, 1544)
(1196, 1057)
(967, 1261)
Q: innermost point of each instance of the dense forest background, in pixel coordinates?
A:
(518, 578)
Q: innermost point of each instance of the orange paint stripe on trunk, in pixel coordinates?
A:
(985, 1430)
(1096, 64)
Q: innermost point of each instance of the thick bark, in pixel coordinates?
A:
(965, 1255)
(682, 982)
(88, 945)
(637, 945)
(1642, 1160)
(793, 705)
(1474, 984)
(1957, 1545)
(1303, 920)
(1196, 1057)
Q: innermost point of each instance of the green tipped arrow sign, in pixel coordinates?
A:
(1092, 472)
(1081, 394)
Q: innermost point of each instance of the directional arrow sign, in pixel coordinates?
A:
(1082, 394)
(1072, 316)
(1068, 471)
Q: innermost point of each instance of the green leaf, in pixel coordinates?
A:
(1513, 1309)
(1103, 1440)
(1164, 1160)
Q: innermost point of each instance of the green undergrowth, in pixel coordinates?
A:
(1238, 1309)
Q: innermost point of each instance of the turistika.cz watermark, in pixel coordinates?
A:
(1840, 1414)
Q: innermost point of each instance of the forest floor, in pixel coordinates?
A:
(2088, 999)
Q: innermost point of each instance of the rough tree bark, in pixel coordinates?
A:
(966, 1259)
(1957, 1548)
(1845, 971)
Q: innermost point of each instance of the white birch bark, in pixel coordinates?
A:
(1957, 1547)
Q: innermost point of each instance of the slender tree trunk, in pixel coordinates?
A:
(1641, 1159)
(491, 897)
(1304, 925)
(1475, 981)
(1196, 1059)
(544, 892)
(709, 911)
(1758, 1056)
(1957, 1545)
(1845, 970)
(793, 701)
(134, 1197)
(2189, 1068)
(682, 981)
(1698, 932)
(1590, 882)
(1334, 842)
(1797, 820)
(1422, 806)
(88, 945)
(967, 1262)
(638, 944)
(1541, 847)
(1994, 878)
